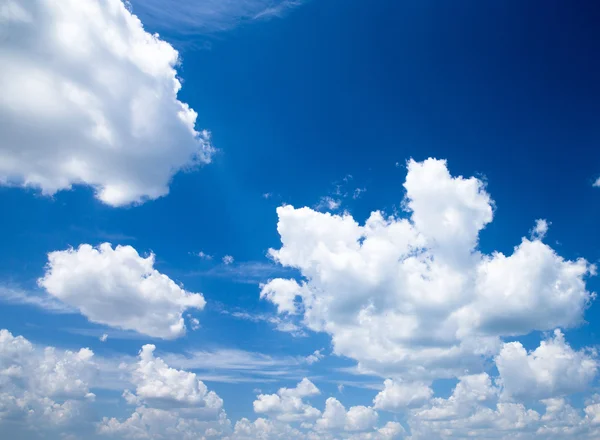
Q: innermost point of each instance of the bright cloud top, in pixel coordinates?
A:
(119, 288)
(42, 389)
(89, 97)
(413, 296)
(553, 369)
(170, 403)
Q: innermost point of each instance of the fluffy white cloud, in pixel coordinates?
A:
(413, 297)
(315, 357)
(552, 369)
(400, 395)
(119, 288)
(282, 293)
(287, 405)
(170, 403)
(335, 417)
(42, 391)
(89, 97)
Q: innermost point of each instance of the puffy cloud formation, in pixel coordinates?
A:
(398, 395)
(42, 391)
(414, 297)
(287, 405)
(159, 385)
(119, 288)
(89, 97)
(335, 417)
(553, 369)
(291, 418)
(170, 403)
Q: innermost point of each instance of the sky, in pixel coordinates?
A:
(299, 219)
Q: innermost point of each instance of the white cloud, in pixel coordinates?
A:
(204, 255)
(597, 183)
(159, 385)
(89, 97)
(188, 18)
(552, 369)
(287, 405)
(104, 337)
(119, 288)
(328, 203)
(228, 259)
(169, 402)
(540, 229)
(195, 323)
(315, 357)
(335, 417)
(399, 395)
(358, 192)
(42, 390)
(413, 297)
(282, 293)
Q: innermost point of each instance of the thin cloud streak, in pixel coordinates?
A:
(16, 296)
(194, 18)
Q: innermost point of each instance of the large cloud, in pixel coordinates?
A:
(89, 97)
(287, 405)
(119, 288)
(42, 391)
(170, 403)
(413, 297)
(553, 369)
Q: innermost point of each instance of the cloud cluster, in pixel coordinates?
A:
(553, 369)
(42, 391)
(170, 403)
(414, 297)
(119, 288)
(89, 97)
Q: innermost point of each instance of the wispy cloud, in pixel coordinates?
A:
(108, 333)
(247, 272)
(193, 17)
(280, 324)
(17, 296)
(236, 366)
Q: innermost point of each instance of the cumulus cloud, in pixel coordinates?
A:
(552, 369)
(288, 405)
(119, 288)
(90, 98)
(170, 402)
(42, 390)
(414, 297)
(399, 395)
(335, 417)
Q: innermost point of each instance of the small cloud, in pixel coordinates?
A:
(597, 183)
(204, 255)
(267, 195)
(329, 203)
(195, 324)
(358, 192)
(228, 259)
(397, 164)
(540, 229)
(340, 388)
(315, 357)
(104, 337)
(348, 178)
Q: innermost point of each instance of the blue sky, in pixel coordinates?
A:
(332, 105)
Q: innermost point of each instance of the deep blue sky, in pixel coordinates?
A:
(507, 90)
